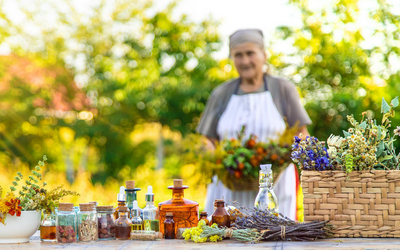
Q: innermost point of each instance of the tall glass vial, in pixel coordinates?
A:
(123, 225)
(48, 227)
(66, 223)
(137, 222)
(121, 197)
(169, 226)
(150, 219)
(131, 195)
(266, 198)
(220, 215)
(186, 212)
(87, 223)
(105, 221)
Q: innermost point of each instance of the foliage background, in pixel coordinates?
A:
(114, 93)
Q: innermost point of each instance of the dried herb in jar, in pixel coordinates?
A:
(88, 231)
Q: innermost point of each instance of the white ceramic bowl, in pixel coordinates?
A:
(19, 229)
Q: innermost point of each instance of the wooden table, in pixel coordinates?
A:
(345, 243)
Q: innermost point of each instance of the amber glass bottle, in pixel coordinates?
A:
(186, 212)
(169, 226)
(123, 225)
(220, 215)
(203, 216)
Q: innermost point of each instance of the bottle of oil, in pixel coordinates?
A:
(266, 198)
(131, 195)
(137, 223)
(121, 197)
(123, 225)
(185, 212)
(150, 219)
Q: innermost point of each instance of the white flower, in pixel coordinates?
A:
(335, 141)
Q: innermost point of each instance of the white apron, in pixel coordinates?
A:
(259, 114)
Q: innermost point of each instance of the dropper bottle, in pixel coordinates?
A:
(137, 223)
(150, 219)
(266, 198)
(131, 195)
(121, 197)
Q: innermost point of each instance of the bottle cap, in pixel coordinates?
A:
(266, 168)
(149, 194)
(85, 207)
(204, 213)
(135, 209)
(178, 183)
(121, 196)
(66, 207)
(130, 184)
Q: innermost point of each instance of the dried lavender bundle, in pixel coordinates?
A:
(273, 227)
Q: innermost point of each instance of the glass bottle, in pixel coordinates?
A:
(87, 223)
(203, 216)
(105, 221)
(48, 227)
(220, 215)
(266, 198)
(169, 226)
(121, 197)
(150, 212)
(186, 212)
(66, 223)
(137, 223)
(123, 225)
(131, 195)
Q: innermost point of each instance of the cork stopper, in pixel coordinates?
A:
(93, 203)
(66, 207)
(204, 213)
(104, 208)
(86, 207)
(178, 183)
(169, 214)
(122, 209)
(130, 184)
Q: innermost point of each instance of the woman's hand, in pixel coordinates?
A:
(303, 131)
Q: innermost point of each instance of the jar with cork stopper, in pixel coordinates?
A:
(66, 223)
(131, 195)
(87, 223)
(185, 212)
(106, 224)
(169, 226)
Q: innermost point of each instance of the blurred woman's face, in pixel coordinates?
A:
(249, 59)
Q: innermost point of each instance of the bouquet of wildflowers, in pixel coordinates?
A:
(366, 145)
(311, 154)
(32, 196)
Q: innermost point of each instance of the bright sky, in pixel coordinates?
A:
(238, 14)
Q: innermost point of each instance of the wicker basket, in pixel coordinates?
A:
(360, 204)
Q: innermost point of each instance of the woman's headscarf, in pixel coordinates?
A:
(247, 35)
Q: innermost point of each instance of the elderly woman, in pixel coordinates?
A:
(260, 102)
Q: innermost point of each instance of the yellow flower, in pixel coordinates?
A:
(215, 238)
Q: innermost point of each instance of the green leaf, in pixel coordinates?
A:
(379, 132)
(385, 106)
(384, 158)
(346, 134)
(395, 102)
(380, 149)
(363, 125)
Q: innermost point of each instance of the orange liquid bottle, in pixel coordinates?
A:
(185, 212)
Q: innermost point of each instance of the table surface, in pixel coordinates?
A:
(344, 243)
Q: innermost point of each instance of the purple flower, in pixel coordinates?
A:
(297, 139)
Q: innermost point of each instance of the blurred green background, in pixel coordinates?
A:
(115, 94)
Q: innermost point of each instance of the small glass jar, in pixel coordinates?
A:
(169, 226)
(87, 223)
(220, 215)
(123, 225)
(106, 224)
(66, 223)
(203, 216)
(48, 227)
